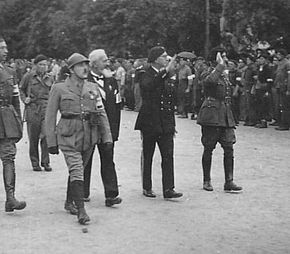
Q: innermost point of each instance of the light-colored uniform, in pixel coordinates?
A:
(76, 133)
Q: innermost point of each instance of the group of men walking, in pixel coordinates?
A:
(89, 103)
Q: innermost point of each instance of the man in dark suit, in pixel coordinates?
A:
(156, 121)
(217, 123)
(108, 87)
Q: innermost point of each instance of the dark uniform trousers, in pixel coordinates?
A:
(108, 172)
(166, 145)
(36, 132)
(210, 137)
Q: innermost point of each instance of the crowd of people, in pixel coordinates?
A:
(90, 92)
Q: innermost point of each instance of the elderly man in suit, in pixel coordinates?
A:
(156, 121)
(83, 123)
(107, 84)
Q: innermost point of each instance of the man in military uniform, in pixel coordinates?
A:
(217, 124)
(184, 84)
(282, 86)
(83, 124)
(10, 128)
(112, 102)
(156, 121)
(34, 91)
(248, 81)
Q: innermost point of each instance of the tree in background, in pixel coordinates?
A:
(128, 28)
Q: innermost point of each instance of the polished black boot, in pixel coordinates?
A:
(206, 167)
(11, 203)
(69, 205)
(229, 185)
(77, 188)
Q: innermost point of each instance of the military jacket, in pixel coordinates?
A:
(158, 92)
(264, 77)
(282, 79)
(75, 130)
(37, 89)
(216, 108)
(10, 115)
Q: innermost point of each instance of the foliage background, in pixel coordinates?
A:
(130, 27)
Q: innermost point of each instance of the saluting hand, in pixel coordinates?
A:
(220, 59)
(171, 64)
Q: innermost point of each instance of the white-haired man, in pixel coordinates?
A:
(108, 87)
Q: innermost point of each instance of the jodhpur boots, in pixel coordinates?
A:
(69, 205)
(206, 166)
(77, 188)
(229, 185)
(9, 182)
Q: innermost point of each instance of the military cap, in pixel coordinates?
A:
(76, 58)
(154, 53)
(39, 58)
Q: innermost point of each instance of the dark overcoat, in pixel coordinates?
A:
(158, 93)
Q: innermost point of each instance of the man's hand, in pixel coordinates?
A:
(220, 59)
(53, 150)
(171, 64)
(27, 100)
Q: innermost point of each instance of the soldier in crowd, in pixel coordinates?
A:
(156, 121)
(140, 66)
(248, 81)
(10, 128)
(120, 76)
(232, 74)
(282, 91)
(197, 92)
(34, 91)
(129, 84)
(109, 91)
(184, 86)
(83, 123)
(217, 123)
(262, 91)
(241, 68)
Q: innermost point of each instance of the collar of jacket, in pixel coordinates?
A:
(72, 86)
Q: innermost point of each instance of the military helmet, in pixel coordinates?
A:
(76, 58)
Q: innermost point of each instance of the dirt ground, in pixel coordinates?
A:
(256, 221)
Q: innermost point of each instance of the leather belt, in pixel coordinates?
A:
(83, 117)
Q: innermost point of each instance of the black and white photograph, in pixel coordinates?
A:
(145, 126)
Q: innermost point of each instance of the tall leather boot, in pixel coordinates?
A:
(69, 204)
(206, 167)
(11, 203)
(77, 188)
(230, 186)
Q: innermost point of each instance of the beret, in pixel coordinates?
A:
(154, 53)
(39, 58)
